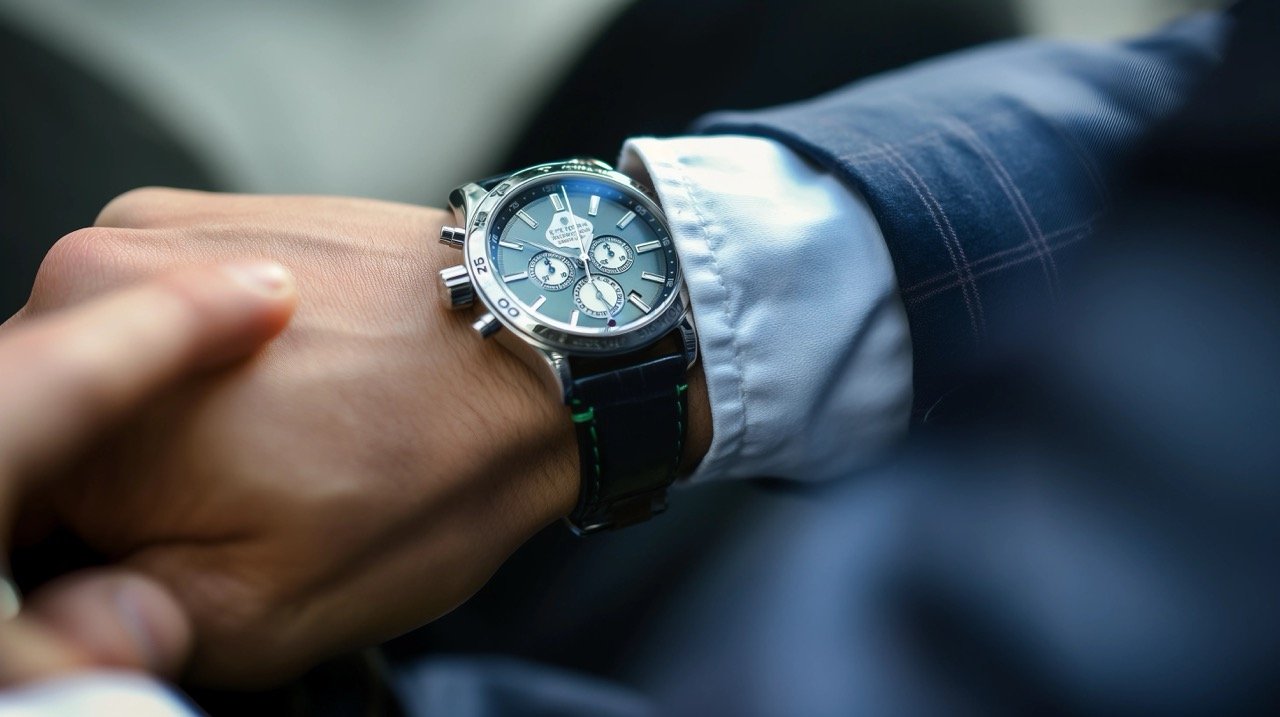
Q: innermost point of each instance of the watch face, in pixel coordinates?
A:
(582, 254)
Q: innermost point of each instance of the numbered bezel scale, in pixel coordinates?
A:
(504, 305)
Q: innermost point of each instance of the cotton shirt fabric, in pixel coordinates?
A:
(804, 340)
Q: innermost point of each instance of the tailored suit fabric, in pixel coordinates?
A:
(986, 170)
(1097, 535)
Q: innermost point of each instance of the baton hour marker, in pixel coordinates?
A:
(647, 246)
(626, 219)
(541, 300)
(511, 245)
(516, 277)
(593, 208)
(555, 202)
(655, 278)
(573, 318)
(634, 298)
(533, 223)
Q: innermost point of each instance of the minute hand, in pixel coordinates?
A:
(582, 243)
(577, 234)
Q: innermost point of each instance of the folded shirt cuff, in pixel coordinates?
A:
(802, 334)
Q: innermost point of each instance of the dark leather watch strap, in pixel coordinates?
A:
(631, 424)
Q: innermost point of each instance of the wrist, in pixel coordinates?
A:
(528, 437)
(698, 441)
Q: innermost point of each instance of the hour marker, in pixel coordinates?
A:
(516, 277)
(573, 318)
(626, 219)
(634, 297)
(541, 300)
(555, 202)
(593, 208)
(512, 245)
(533, 223)
(655, 278)
(647, 246)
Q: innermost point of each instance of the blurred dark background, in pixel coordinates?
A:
(403, 99)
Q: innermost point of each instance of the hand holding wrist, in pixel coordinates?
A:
(362, 476)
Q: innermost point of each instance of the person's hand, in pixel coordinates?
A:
(366, 475)
(68, 379)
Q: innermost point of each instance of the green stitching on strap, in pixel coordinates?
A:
(589, 416)
(681, 388)
(595, 447)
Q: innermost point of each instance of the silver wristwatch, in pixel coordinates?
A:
(575, 271)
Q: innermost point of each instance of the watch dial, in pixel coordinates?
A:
(585, 255)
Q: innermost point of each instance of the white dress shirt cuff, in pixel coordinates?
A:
(802, 334)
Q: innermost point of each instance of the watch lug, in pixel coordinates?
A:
(552, 367)
(464, 200)
(556, 373)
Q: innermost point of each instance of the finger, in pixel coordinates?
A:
(149, 207)
(31, 652)
(165, 207)
(114, 618)
(95, 618)
(65, 377)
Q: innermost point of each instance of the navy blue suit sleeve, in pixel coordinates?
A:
(985, 168)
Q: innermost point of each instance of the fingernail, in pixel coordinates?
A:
(267, 277)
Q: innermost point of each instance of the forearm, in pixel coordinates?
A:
(984, 169)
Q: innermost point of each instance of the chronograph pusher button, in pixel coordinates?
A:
(486, 325)
(452, 236)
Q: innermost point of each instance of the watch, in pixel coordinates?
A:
(573, 265)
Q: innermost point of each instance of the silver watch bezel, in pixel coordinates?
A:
(524, 323)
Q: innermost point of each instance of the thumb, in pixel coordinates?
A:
(103, 618)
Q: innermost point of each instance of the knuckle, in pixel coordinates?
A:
(90, 261)
(139, 208)
(82, 247)
(76, 262)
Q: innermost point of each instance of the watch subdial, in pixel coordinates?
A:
(552, 271)
(598, 296)
(611, 254)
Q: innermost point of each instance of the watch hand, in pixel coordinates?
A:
(582, 242)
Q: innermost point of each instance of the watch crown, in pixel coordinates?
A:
(456, 290)
(487, 325)
(452, 236)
